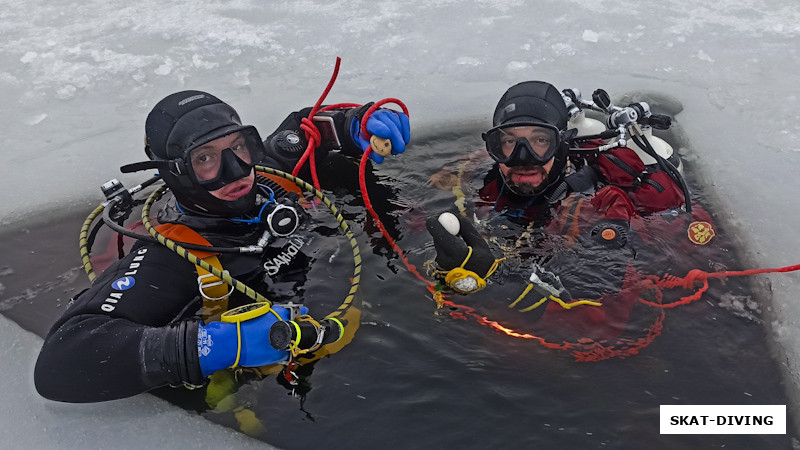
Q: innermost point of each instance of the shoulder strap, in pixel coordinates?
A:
(621, 167)
(285, 184)
(656, 185)
(213, 290)
(583, 181)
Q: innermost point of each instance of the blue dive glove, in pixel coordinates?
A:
(385, 124)
(241, 339)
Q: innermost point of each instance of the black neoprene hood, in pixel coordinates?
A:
(532, 101)
(179, 123)
(185, 120)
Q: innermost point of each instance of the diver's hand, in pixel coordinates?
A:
(465, 248)
(244, 342)
(391, 132)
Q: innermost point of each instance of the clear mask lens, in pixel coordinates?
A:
(521, 145)
(225, 159)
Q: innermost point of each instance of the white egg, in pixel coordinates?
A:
(450, 223)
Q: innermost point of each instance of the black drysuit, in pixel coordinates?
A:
(135, 328)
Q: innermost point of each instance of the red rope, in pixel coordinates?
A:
(314, 139)
(698, 276)
(362, 167)
(589, 350)
(374, 108)
(584, 350)
(312, 133)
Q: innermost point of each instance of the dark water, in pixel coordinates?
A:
(417, 376)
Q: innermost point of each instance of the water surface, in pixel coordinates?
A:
(419, 376)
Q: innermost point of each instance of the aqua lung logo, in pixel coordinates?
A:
(204, 342)
(124, 283)
(273, 265)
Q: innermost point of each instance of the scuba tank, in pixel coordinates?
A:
(630, 126)
(586, 126)
(661, 147)
(620, 118)
(640, 113)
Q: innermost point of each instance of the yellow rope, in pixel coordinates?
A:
(296, 351)
(459, 273)
(575, 303)
(238, 343)
(552, 298)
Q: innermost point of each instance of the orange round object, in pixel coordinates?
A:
(608, 234)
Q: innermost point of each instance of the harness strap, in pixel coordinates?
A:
(637, 177)
(285, 184)
(557, 192)
(214, 291)
(622, 165)
(656, 185)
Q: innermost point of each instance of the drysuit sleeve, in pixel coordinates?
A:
(126, 334)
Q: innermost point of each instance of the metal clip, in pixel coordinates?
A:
(209, 281)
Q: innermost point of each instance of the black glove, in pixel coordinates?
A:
(453, 252)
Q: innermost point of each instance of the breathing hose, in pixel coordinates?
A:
(182, 248)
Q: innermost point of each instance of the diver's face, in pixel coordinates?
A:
(237, 189)
(206, 160)
(525, 179)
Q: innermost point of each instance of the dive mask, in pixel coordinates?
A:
(225, 159)
(522, 143)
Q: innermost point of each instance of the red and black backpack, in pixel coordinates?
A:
(651, 191)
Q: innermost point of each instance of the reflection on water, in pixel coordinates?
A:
(418, 376)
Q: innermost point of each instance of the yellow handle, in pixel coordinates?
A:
(245, 312)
